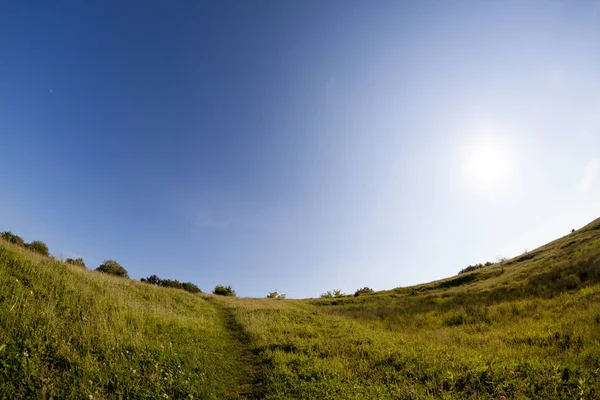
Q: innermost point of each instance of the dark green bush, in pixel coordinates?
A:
(476, 267)
(152, 280)
(172, 283)
(190, 287)
(112, 267)
(275, 295)
(78, 261)
(365, 290)
(39, 247)
(224, 290)
(12, 238)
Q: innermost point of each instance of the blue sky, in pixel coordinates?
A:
(298, 146)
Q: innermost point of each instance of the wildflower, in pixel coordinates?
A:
(133, 370)
(91, 397)
(31, 292)
(16, 280)
(441, 390)
(502, 396)
(412, 391)
(26, 354)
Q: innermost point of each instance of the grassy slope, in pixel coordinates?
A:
(70, 333)
(529, 328)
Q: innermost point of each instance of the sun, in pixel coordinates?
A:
(487, 162)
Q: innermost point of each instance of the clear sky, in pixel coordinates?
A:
(301, 146)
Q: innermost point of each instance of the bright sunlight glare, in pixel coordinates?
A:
(487, 162)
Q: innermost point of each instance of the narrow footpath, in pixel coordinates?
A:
(250, 379)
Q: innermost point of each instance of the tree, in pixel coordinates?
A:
(365, 290)
(112, 267)
(275, 295)
(330, 294)
(152, 279)
(224, 290)
(39, 247)
(12, 238)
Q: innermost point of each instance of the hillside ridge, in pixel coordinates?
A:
(523, 328)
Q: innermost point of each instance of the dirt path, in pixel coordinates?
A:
(249, 374)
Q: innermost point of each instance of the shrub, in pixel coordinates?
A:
(224, 290)
(476, 267)
(12, 238)
(365, 290)
(275, 295)
(112, 267)
(78, 261)
(190, 287)
(152, 280)
(172, 283)
(39, 247)
(329, 294)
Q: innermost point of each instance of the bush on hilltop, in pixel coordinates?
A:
(112, 267)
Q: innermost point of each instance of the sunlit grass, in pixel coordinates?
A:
(525, 328)
(70, 333)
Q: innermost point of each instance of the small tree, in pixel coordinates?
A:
(112, 267)
(327, 295)
(224, 290)
(39, 247)
(78, 261)
(12, 238)
(365, 290)
(152, 279)
(275, 295)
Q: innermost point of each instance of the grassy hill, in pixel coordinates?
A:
(528, 327)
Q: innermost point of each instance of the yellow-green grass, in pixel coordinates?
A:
(69, 333)
(527, 328)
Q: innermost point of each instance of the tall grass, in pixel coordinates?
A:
(526, 328)
(69, 333)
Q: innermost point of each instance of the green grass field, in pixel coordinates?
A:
(526, 328)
